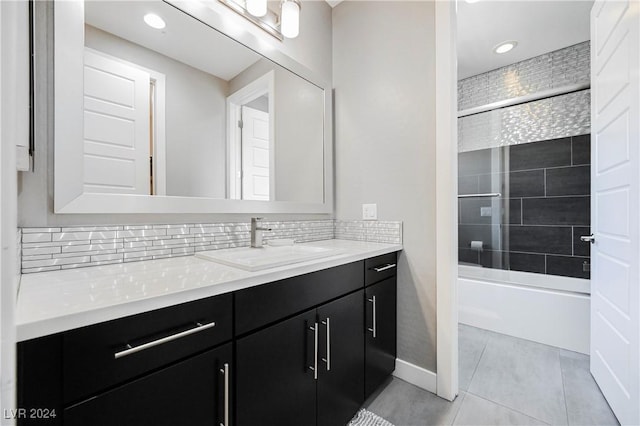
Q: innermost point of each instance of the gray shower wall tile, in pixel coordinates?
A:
(575, 180)
(48, 249)
(581, 248)
(499, 210)
(488, 234)
(539, 239)
(526, 184)
(581, 149)
(569, 266)
(539, 155)
(468, 185)
(514, 261)
(556, 211)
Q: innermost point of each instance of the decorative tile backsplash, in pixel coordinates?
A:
(371, 231)
(49, 249)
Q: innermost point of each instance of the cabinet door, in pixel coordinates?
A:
(341, 354)
(380, 347)
(191, 392)
(274, 382)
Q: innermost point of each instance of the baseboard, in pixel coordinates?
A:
(418, 376)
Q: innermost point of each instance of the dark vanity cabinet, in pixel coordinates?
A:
(306, 369)
(191, 392)
(306, 350)
(163, 367)
(380, 319)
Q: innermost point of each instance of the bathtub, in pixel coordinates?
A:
(547, 309)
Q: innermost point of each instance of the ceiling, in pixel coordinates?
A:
(538, 26)
(184, 38)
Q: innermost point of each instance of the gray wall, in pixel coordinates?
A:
(35, 197)
(383, 73)
(195, 117)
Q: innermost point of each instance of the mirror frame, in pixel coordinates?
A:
(69, 196)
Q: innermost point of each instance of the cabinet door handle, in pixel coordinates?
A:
(374, 328)
(314, 368)
(131, 350)
(328, 357)
(385, 267)
(225, 372)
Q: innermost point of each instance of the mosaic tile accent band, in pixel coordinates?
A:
(551, 118)
(557, 117)
(563, 67)
(50, 249)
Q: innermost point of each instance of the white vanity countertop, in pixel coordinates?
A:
(51, 302)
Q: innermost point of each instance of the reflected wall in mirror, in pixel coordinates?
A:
(183, 110)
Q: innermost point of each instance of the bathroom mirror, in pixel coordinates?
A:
(157, 111)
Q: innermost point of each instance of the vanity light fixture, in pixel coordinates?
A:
(290, 18)
(472, 1)
(154, 21)
(505, 46)
(257, 7)
(280, 25)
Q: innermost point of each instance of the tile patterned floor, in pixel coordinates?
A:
(503, 381)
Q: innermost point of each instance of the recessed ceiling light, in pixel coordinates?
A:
(154, 21)
(505, 46)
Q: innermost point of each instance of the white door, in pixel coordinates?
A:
(116, 126)
(255, 154)
(615, 174)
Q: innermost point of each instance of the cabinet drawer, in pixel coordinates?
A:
(380, 268)
(96, 357)
(191, 392)
(262, 305)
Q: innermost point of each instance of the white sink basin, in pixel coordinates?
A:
(255, 259)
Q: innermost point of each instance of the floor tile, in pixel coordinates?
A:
(471, 344)
(404, 404)
(522, 375)
(585, 403)
(475, 411)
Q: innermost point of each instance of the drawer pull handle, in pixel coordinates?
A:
(374, 330)
(225, 372)
(385, 267)
(131, 350)
(314, 368)
(327, 359)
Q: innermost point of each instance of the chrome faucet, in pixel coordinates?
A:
(256, 232)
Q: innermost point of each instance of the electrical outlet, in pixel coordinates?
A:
(370, 212)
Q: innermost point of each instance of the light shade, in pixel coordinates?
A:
(257, 7)
(290, 19)
(154, 21)
(505, 46)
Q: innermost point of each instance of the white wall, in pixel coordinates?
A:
(383, 73)
(312, 48)
(14, 125)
